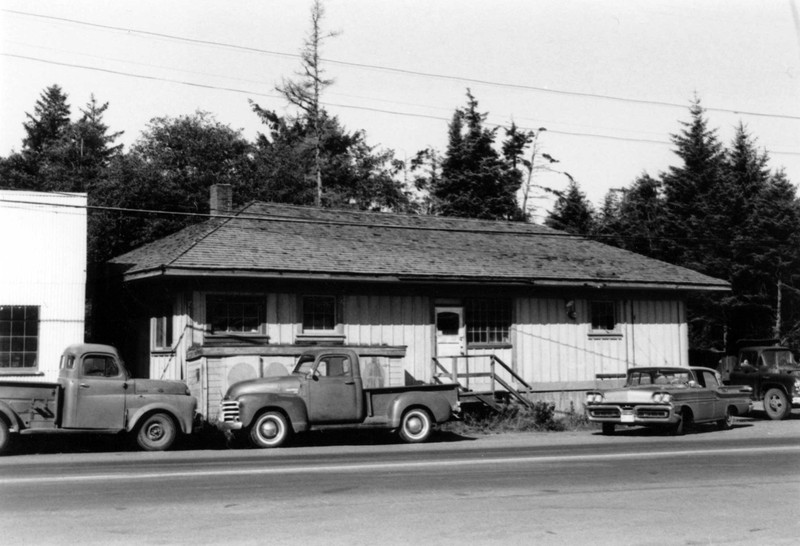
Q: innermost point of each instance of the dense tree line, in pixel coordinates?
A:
(721, 211)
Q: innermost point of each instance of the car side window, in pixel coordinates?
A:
(709, 380)
(99, 366)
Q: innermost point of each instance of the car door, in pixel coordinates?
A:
(333, 392)
(100, 393)
(720, 404)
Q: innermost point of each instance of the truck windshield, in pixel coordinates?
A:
(304, 365)
(782, 358)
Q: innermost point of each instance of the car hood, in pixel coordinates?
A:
(283, 384)
(637, 394)
(158, 386)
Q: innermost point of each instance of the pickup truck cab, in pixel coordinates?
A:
(95, 393)
(324, 391)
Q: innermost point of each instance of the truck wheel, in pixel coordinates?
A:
(156, 433)
(270, 429)
(726, 423)
(415, 426)
(776, 404)
(608, 429)
(5, 436)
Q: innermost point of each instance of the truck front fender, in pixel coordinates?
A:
(250, 405)
(436, 404)
(181, 409)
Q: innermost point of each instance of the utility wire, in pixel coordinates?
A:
(406, 71)
(345, 106)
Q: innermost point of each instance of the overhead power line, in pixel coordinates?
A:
(408, 72)
(337, 105)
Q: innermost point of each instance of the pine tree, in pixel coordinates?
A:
(47, 123)
(572, 212)
(475, 181)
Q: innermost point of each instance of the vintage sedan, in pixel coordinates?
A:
(674, 398)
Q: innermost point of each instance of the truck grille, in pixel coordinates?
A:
(229, 411)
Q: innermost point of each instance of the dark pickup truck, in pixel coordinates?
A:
(94, 393)
(326, 391)
(770, 370)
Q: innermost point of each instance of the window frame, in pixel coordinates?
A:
(336, 315)
(596, 326)
(31, 319)
(162, 331)
(493, 330)
(257, 300)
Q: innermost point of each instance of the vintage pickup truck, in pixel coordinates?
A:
(94, 393)
(770, 370)
(326, 391)
(674, 398)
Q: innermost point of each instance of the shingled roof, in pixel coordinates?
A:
(268, 240)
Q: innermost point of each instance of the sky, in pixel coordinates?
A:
(609, 80)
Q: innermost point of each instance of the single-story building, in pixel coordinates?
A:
(42, 280)
(242, 294)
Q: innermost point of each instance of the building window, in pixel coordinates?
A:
(319, 313)
(604, 316)
(19, 337)
(162, 332)
(488, 321)
(236, 314)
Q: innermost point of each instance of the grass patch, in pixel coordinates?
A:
(542, 417)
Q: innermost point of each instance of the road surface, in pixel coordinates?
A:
(728, 487)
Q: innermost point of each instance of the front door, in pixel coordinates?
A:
(450, 337)
(100, 396)
(332, 391)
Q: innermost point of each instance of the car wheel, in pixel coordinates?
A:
(156, 433)
(776, 404)
(608, 429)
(684, 424)
(726, 423)
(270, 429)
(415, 426)
(5, 436)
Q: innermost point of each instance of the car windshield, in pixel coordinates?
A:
(304, 365)
(658, 376)
(782, 358)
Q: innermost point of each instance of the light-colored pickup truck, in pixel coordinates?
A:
(326, 391)
(94, 393)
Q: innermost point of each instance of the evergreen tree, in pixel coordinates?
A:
(305, 91)
(688, 189)
(475, 181)
(572, 212)
(47, 123)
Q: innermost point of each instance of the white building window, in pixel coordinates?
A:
(320, 314)
(19, 338)
(236, 314)
(604, 316)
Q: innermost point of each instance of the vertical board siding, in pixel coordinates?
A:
(551, 348)
(392, 320)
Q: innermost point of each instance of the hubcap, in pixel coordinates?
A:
(155, 432)
(269, 429)
(414, 425)
(775, 403)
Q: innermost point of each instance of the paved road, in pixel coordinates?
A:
(733, 487)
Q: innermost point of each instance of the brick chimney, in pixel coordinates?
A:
(221, 203)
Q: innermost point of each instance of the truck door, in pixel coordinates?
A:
(100, 393)
(333, 394)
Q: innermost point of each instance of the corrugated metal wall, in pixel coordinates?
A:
(43, 249)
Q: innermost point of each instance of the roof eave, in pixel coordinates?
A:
(182, 272)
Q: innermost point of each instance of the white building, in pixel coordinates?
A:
(42, 279)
